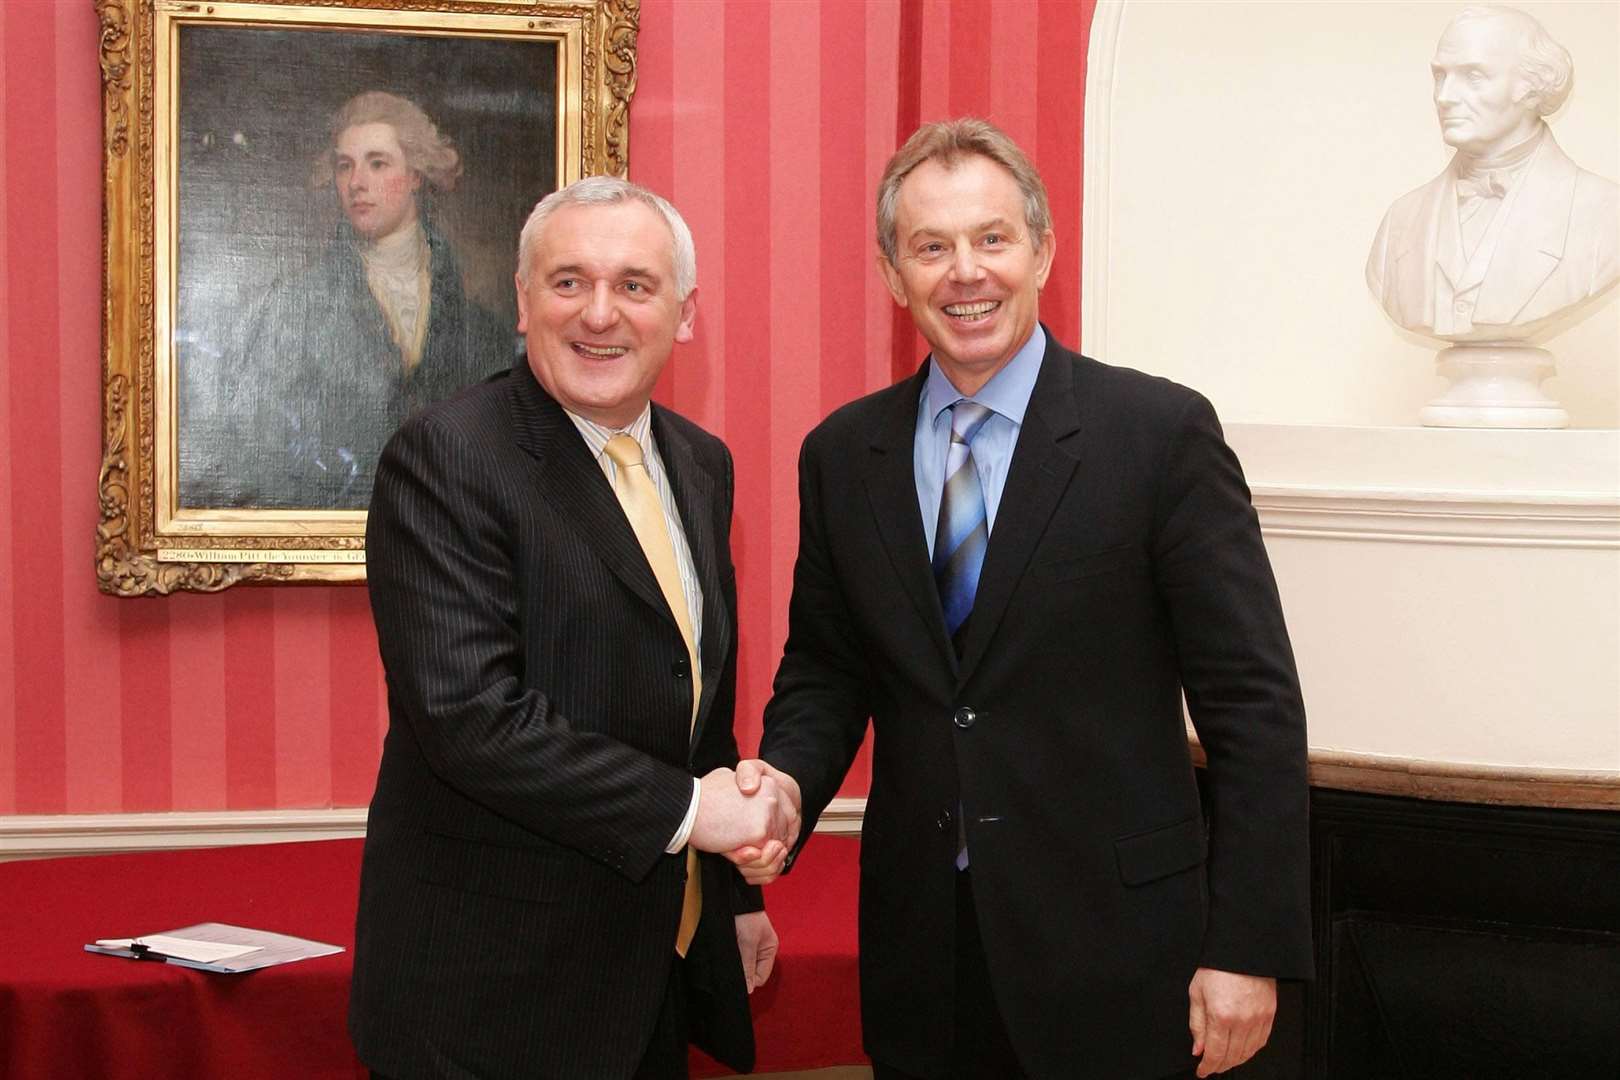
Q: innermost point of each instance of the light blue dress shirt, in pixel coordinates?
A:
(1007, 396)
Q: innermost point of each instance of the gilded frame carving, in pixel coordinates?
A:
(148, 542)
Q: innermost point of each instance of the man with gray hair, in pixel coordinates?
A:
(551, 578)
(1513, 232)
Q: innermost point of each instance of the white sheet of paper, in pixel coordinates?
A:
(203, 952)
(221, 947)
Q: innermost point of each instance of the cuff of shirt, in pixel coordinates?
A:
(685, 830)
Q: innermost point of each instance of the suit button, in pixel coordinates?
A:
(964, 717)
(944, 822)
(681, 668)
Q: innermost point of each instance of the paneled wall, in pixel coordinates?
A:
(1453, 595)
(768, 123)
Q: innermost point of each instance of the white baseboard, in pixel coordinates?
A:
(44, 836)
(41, 836)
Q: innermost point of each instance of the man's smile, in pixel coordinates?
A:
(598, 352)
(969, 311)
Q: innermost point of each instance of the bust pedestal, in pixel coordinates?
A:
(1494, 386)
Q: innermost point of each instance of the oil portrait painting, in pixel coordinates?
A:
(310, 234)
(345, 247)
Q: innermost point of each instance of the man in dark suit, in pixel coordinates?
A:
(555, 603)
(1016, 563)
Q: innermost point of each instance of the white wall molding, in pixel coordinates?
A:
(36, 836)
(1436, 517)
(40, 836)
(1545, 489)
(1101, 52)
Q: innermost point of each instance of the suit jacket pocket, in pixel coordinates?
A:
(1092, 563)
(1160, 852)
(516, 873)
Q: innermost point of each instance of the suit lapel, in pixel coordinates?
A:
(1541, 210)
(891, 486)
(1443, 237)
(696, 498)
(1042, 465)
(574, 483)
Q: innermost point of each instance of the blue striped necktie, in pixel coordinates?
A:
(963, 532)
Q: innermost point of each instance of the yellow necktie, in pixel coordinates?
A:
(641, 504)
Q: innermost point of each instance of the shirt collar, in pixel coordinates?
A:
(596, 436)
(1510, 162)
(1007, 393)
(406, 249)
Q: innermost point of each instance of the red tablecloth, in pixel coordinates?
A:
(68, 1013)
(809, 1015)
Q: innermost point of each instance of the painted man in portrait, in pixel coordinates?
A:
(376, 327)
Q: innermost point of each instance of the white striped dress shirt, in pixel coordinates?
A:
(596, 439)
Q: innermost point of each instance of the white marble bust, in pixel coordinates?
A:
(1512, 234)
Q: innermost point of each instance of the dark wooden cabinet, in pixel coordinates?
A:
(1462, 942)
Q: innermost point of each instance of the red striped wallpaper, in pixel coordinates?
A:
(768, 125)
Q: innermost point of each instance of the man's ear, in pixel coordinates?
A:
(891, 278)
(1043, 257)
(1526, 95)
(523, 305)
(683, 329)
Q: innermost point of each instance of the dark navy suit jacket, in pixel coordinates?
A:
(1125, 569)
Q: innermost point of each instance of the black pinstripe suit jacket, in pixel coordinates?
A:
(517, 910)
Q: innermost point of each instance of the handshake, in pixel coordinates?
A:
(751, 816)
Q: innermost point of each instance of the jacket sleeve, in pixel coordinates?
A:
(719, 743)
(820, 701)
(1242, 692)
(441, 562)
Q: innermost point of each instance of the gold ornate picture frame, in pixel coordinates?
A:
(310, 230)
